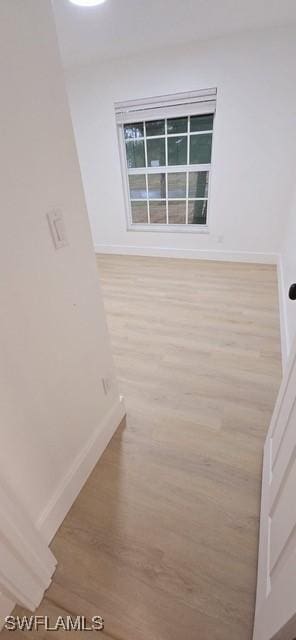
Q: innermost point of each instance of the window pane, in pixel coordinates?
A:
(177, 150)
(157, 212)
(156, 152)
(177, 125)
(155, 128)
(198, 184)
(177, 211)
(201, 123)
(137, 185)
(135, 130)
(139, 212)
(197, 212)
(177, 185)
(135, 154)
(201, 149)
(156, 185)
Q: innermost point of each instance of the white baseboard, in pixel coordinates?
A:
(283, 312)
(196, 254)
(70, 486)
(6, 607)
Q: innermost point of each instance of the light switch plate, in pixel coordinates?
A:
(107, 384)
(57, 228)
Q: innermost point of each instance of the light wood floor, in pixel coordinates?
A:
(162, 541)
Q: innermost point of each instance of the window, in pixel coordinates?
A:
(166, 154)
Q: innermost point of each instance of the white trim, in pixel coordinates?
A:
(73, 481)
(172, 168)
(166, 100)
(168, 228)
(166, 175)
(164, 200)
(285, 342)
(124, 177)
(165, 169)
(195, 254)
(26, 563)
(159, 113)
(186, 103)
(129, 214)
(6, 608)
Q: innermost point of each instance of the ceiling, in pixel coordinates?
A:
(123, 27)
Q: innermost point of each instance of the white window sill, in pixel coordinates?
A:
(170, 228)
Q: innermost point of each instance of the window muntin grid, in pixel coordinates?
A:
(168, 166)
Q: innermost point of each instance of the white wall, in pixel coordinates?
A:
(287, 276)
(254, 141)
(54, 346)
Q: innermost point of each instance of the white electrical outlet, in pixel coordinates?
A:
(107, 384)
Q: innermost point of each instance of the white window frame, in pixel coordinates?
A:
(164, 108)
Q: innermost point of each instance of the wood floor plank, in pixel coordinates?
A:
(162, 540)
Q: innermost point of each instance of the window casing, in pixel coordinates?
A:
(166, 155)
